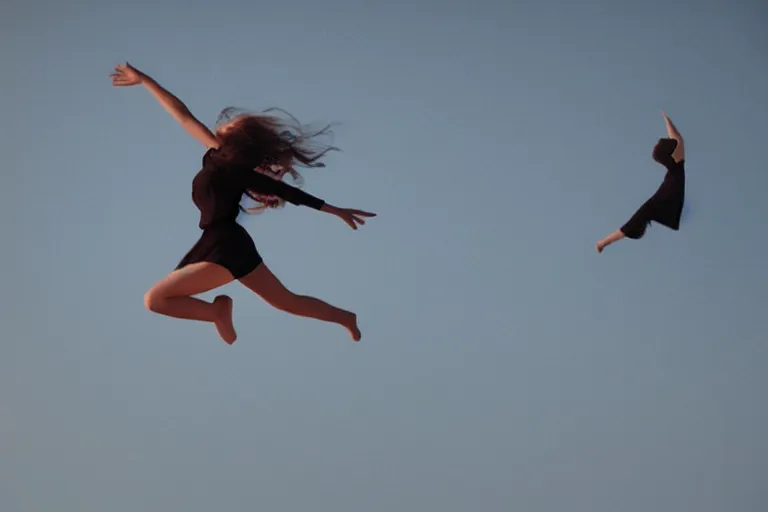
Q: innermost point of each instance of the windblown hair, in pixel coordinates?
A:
(263, 141)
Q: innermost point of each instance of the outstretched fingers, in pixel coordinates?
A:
(353, 217)
(119, 78)
(351, 221)
(358, 216)
(125, 75)
(362, 213)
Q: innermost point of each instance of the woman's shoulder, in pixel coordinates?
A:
(209, 155)
(213, 158)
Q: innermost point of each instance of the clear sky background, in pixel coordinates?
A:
(504, 364)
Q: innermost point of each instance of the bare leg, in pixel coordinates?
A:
(264, 283)
(172, 296)
(613, 237)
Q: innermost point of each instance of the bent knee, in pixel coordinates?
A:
(153, 301)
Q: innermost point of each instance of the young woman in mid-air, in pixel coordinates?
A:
(666, 205)
(249, 154)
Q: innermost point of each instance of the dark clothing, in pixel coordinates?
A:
(227, 244)
(664, 207)
(217, 191)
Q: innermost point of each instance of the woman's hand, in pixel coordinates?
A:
(351, 216)
(126, 75)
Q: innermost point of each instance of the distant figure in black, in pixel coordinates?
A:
(248, 155)
(666, 205)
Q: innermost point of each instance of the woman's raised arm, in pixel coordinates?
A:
(127, 75)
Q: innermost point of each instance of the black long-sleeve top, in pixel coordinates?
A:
(218, 189)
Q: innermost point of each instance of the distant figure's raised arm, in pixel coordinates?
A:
(679, 154)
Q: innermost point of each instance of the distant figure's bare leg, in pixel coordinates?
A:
(264, 283)
(172, 296)
(613, 237)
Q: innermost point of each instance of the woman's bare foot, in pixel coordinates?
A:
(354, 330)
(224, 325)
(600, 246)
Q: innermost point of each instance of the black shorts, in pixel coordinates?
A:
(226, 244)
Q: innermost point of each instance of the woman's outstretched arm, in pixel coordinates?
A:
(679, 154)
(126, 75)
(257, 181)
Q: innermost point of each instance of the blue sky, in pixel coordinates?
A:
(504, 364)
